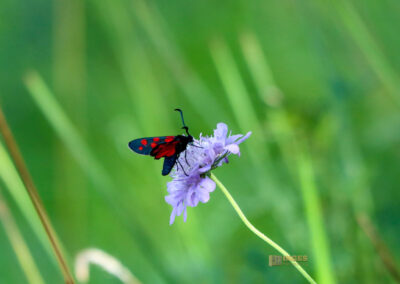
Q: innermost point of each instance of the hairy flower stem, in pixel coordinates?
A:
(33, 194)
(257, 232)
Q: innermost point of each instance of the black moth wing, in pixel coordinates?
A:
(169, 163)
(144, 146)
(183, 141)
(167, 147)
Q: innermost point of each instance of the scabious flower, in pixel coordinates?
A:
(191, 183)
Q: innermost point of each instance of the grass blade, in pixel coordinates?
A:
(365, 41)
(34, 196)
(86, 159)
(18, 244)
(9, 175)
(319, 240)
(238, 96)
(191, 84)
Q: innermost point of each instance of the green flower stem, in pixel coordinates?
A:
(257, 232)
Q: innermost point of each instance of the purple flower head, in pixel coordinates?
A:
(207, 154)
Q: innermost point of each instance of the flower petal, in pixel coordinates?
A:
(191, 198)
(185, 215)
(180, 208)
(243, 138)
(232, 138)
(221, 131)
(207, 184)
(218, 147)
(172, 217)
(204, 196)
(205, 169)
(233, 148)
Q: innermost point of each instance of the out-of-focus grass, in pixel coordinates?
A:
(69, 83)
(57, 117)
(373, 54)
(238, 97)
(312, 205)
(21, 250)
(291, 150)
(15, 187)
(187, 79)
(317, 74)
(79, 149)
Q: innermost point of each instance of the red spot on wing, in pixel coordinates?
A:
(140, 148)
(169, 138)
(144, 142)
(153, 144)
(164, 150)
(156, 139)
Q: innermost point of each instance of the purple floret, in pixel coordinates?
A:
(187, 190)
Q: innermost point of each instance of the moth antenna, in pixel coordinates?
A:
(183, 121)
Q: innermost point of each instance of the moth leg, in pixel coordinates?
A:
(193, 145)
(177, 160)
(186, 159)
(177, 166)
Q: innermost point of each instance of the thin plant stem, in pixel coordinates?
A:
(33, 194)
(383, 251)
(13, 183)
(21, 249)
(257, 232)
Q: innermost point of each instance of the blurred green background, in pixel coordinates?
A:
(317, 82)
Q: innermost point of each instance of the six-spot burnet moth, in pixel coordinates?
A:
(167, 147)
